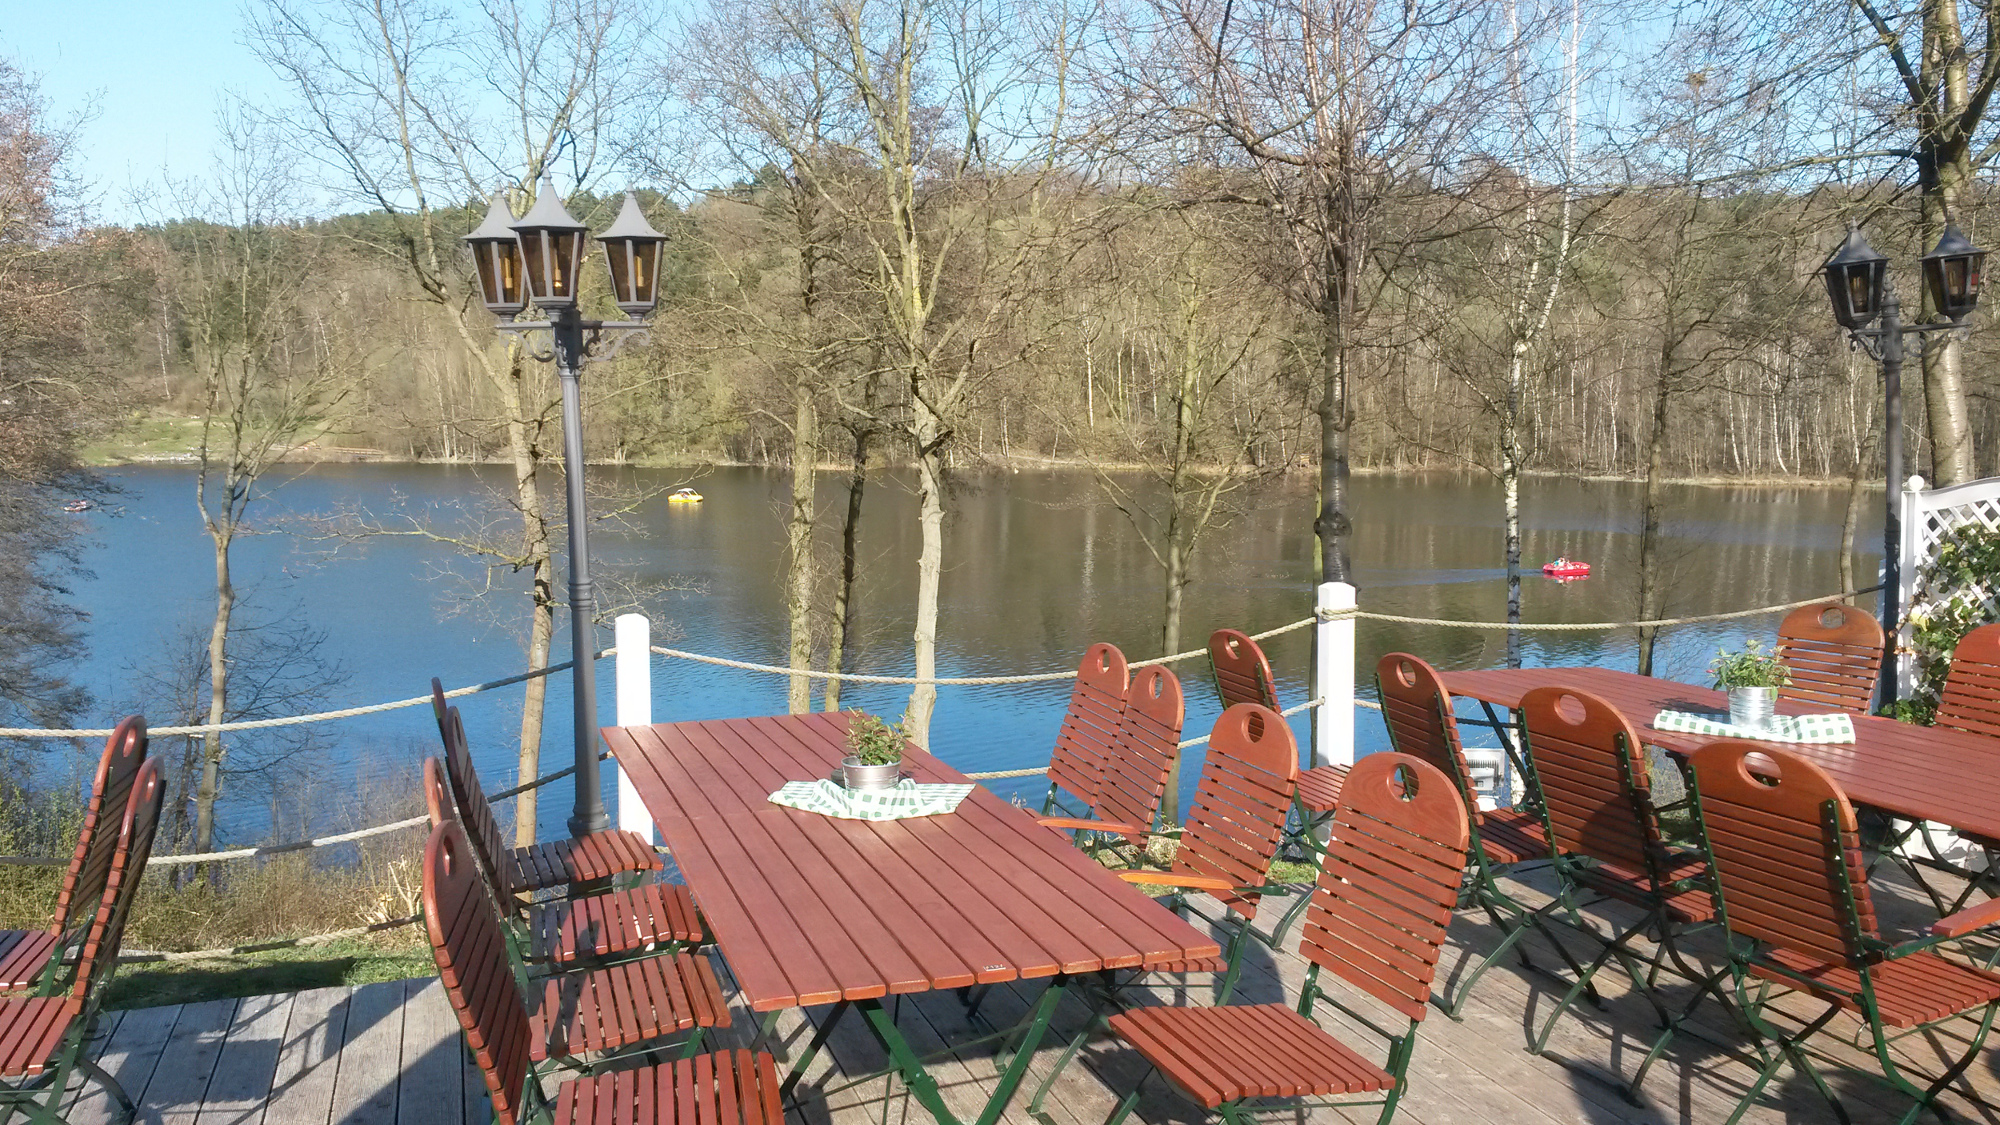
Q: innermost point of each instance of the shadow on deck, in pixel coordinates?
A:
(383, 1054)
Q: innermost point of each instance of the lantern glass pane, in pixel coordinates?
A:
(1857, 293)
(645, 274)
(1955, 279)
(562, 277)
(509, 271)
(534, 254)
(617, 254)
(483, 256)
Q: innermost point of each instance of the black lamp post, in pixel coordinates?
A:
(1857, 280)
(539, 259)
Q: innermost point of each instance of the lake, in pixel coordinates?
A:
(1038, 566)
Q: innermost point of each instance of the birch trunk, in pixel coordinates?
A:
(799, 541)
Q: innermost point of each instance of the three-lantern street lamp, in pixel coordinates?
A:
(1857, 279)
(538, 260)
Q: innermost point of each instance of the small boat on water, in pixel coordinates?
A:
(1566, 568)
(685, 496)
(78, 506)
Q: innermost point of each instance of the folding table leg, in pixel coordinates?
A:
(812, 1050)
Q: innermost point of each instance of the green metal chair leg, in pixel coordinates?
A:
(812, 1050)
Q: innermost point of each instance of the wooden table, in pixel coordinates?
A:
(811, 910)
(1915, 773)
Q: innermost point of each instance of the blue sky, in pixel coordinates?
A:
(155, 69)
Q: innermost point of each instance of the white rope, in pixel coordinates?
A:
(1589, 626)
(294, 846)
(296, 720)
(1033, 677)
(265, 947)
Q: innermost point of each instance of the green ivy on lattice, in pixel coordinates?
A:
(1957, 590)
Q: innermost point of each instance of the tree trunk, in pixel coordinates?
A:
(212, 749)
(1333, 524)
(928, 431)
(1649, 532)
(799, 540)
(1510, 489)
(841, 630)
(524, 453)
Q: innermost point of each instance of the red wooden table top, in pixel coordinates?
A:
(809, 909)
(1922, 773)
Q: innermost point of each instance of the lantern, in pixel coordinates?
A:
(1854, 280)
(497, 255)
(551, 250)
(632, 251)
(1951, 271)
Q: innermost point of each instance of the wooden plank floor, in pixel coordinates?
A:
(389, 1054)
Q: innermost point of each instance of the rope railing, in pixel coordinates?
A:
(412, 822)
(297, 720)
(947, 681)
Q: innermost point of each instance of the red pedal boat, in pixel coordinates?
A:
(1566, 568)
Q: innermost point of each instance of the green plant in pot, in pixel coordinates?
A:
(1752, 678)
(874, 754)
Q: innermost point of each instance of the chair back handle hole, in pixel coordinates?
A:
(1570, 710)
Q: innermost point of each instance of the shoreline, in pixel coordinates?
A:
(1014, 463)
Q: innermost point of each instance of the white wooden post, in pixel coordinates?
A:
(1333, 675)
(634, 636)
(1910, 560)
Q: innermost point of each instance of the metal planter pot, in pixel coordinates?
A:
(856, 775)
(1753, 707)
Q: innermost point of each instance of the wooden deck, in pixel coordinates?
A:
(384, 1054)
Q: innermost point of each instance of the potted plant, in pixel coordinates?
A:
(1752, 678)
(875, 754)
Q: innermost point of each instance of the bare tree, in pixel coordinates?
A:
(1322, 114)
(273, 359)
(384, 98)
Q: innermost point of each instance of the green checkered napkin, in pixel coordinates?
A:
(1836, 727)
(907, 799)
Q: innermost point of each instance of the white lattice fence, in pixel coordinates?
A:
(1930, 518)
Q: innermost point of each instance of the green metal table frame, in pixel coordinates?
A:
(914, 1068)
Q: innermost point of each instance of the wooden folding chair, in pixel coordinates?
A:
(1795, 903)
(1969, 702)
(1834, 653)
(42, 1037)
(1243, 675)
(1132, 783)
(537, 867)
(1380, 911)
(1089, 730)
(1588, 772)
(651, 917)
(507, 1039)
(32, 957)
(1418, 712)
(1232, 828)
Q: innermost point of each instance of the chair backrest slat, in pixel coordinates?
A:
(1971, 698)
(103, 818)
(1149, 737)
(1242, 674)
(1591, 770)
(97, 955)
(1090, 727)
(1389, 881)
(1417, 709)
(475, 812)
(1834, 653)
(1765, 814)
(1238, 814)
(469, 946)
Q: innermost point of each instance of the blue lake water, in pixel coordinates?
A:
(1038, 566)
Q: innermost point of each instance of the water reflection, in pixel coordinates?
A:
(1037, 567)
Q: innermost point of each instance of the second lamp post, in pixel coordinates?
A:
(1857, 280)
(539, 259)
